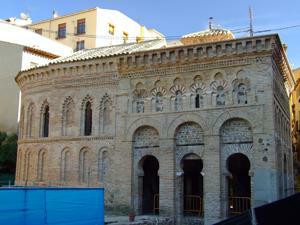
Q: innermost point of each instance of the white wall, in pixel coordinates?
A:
(122, 24)
(10, 65)
(28, 59)
(18, 35)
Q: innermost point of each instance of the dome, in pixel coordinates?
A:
(205, 36)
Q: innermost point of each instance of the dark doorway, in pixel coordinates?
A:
(192, 187)
(239, 188)
(150, 186)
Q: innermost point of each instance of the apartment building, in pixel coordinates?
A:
(93, 28)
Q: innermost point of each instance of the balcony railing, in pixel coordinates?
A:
(238, 205)
(193, 204)
(156, 204)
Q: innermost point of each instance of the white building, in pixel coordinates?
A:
(20, 49)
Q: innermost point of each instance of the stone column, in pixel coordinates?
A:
(212, 184)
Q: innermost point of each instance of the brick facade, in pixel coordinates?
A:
(139, 102)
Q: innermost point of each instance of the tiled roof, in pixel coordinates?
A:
(113, 50)
(208, 32)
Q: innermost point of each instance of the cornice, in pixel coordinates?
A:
(198, 56)
(199, 53)
(64, 139)
(217, 63)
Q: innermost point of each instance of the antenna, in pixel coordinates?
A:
(250, 22)
(210, 19)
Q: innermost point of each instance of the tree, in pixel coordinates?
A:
(8, 152)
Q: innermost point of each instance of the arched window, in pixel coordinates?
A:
(140, 104)
(242, 94)
(220, 97)
(107, 117)
(88, 119)
(103, 165)
(84, 173)
(198, 99)
(26, 171)
(159, 102)
(105, 114)
(45, 122)
(65, 168)
(178, 100)
(30, 119)
(21, 123)
(68, 116)
(41, 166)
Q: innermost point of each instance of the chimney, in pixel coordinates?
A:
(55, 14)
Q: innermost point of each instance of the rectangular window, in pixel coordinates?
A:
(39, 31)
(125, 37)
(79, 45)
(139, 39)
(111, 29)
(80, 26)
(61, 31)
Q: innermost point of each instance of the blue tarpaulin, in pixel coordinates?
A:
(51, 206)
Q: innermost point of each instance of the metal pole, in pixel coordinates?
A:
(251, 22)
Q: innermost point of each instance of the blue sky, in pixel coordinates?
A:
(179, 17)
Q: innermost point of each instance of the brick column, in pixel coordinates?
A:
(167, 179)
(212, 184)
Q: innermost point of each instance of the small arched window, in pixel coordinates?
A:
(198, 99)
(21, 123)
(68, 115)
(242, 94)
(30, 121)
(107, 120)
(46, 116)
(88, 119)
(220, 98)
(65, 169)
(84, 170)
(139, 104)
(158, 102)
(178, 100)
(41, 166)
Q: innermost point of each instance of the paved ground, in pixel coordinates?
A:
(139, 220)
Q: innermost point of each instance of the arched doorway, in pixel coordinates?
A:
(239, 186)
(192, 166)
(189, 144)
(150, 196)
(236, 147)
(145, 195)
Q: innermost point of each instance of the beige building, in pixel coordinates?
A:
(295, 123)
(94, 28)
(194, 132)
(20, 49)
